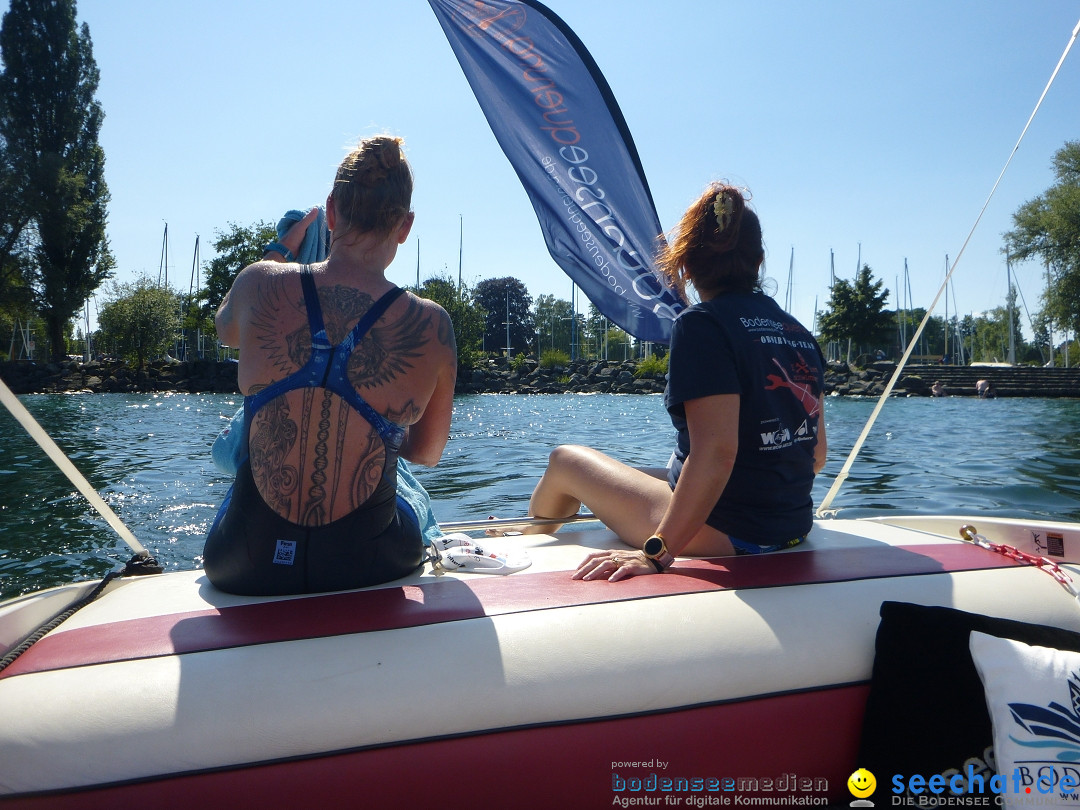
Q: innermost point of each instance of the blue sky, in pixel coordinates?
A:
(872, 129)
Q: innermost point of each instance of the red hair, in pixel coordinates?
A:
(717, 244)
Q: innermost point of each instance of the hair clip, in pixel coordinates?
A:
(723, 208)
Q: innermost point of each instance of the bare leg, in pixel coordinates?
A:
(655, 472)
(627, 500)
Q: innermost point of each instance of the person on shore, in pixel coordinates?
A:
(342, 372)
(937, 389)
(985, 389)
(745, 395)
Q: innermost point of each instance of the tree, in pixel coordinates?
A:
(49, 125)
(236, 247)
(552, 318)
(196, 323)
(467, 318)
(1047, 228)
(139, 320)
(990, 335)
(15, 292)
(856, 313)
(506, 299)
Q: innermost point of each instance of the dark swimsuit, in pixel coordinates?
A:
(253, 550)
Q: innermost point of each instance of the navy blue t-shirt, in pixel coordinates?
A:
(745, 344)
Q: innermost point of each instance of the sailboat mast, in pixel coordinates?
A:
(1049, 323)
(1009, 305)
(946, 351)
(833, 349)
(790, 272)
(904, 298)
(163, 265)
(899, 316)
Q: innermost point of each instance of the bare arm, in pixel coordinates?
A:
(713, 423)
(427, 437)
(227, 321)
(822, 446)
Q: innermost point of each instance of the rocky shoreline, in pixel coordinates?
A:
(496, 376)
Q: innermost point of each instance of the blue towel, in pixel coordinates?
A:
(413, 493)
(228, 455)
(316, 244)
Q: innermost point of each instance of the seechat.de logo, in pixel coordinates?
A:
(861, 784)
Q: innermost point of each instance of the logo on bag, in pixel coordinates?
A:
(285, 552)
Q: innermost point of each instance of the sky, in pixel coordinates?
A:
(865, 131)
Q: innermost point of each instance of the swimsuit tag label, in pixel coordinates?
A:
(285, 553)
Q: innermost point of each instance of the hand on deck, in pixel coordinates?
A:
(614, 565)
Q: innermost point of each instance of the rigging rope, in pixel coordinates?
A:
(824, 510)
(37, 432)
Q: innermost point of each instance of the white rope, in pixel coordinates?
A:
(824, 510)
(37, 432)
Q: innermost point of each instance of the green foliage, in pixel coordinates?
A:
(552, 318)
(554, 358)
(652, 366)
(16, 295)
(856, 311)
(505, 299)
(597, 331)
(1047, 230)
(236, 247)
(196, 325)
(519, 363)
(467, 318)
(54, 196)
(987, 335)
(139, 320)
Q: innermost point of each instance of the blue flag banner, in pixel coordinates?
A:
(555, 117)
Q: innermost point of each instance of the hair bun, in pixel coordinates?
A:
(373, 161)
(373, 187)
(726, 212)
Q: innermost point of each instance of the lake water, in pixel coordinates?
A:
(149, 456)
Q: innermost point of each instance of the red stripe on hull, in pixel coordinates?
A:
(388, 608)
(808, 735)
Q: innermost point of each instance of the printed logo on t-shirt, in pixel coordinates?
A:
(285, 553)
(777, 438)
(799, 382)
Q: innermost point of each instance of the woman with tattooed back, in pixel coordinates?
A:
(342, 373)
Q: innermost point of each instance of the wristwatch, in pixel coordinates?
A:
(656, 550)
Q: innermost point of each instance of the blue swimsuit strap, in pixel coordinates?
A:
(325, 359)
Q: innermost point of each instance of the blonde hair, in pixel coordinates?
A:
(372, 191)
(717, 244)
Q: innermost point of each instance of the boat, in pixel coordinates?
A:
(476, 689)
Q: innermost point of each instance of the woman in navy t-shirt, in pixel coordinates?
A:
(745, 384)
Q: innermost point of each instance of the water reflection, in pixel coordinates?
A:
(149, 456)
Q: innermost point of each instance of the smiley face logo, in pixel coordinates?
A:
(861, 783)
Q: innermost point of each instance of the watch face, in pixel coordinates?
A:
(653, 546)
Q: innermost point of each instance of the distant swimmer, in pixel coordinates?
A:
(985, 389)
(937, 389)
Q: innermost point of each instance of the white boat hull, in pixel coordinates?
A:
(526, 690)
